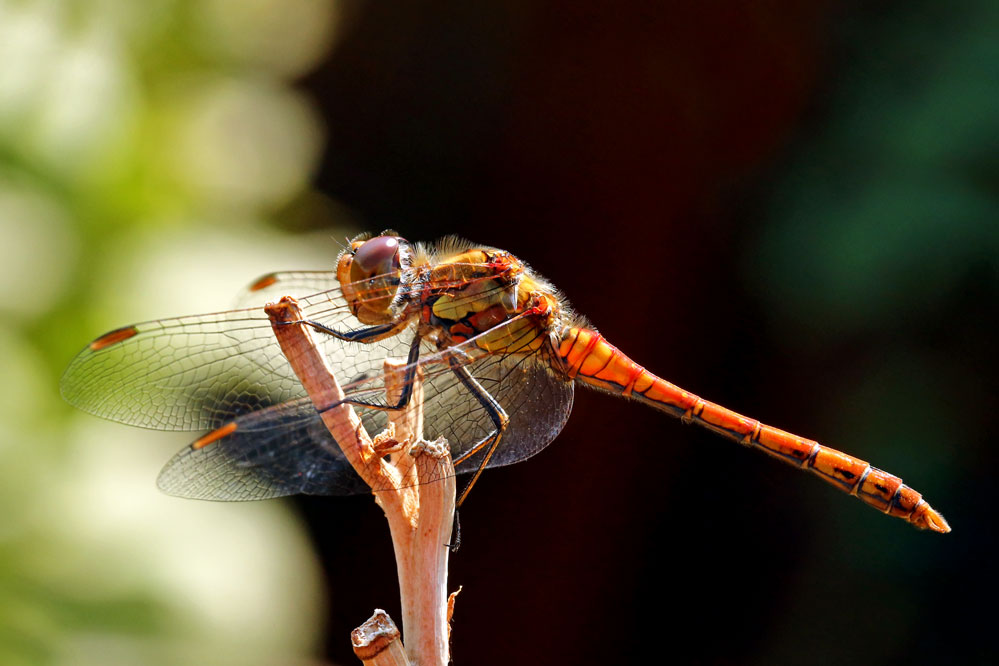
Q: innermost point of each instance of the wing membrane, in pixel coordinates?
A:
(272, 453)
(199, 372)
(273, 286)
(203, 372)
(287, 449)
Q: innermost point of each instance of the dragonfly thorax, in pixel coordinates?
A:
(490, 296)
(458, 293)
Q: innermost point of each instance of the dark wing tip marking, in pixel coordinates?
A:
(264, 282)
(214, 436)
(113, 338)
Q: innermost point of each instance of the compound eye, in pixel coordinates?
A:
(378, 255)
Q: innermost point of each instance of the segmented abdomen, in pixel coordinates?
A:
(590, 359)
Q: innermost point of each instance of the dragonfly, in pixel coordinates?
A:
(498, 349)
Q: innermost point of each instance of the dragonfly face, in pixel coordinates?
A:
(499, 351)
(370, 273)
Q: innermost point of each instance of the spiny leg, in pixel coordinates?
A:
(496, 413)
(370, 334)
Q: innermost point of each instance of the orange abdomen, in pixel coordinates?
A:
(592, 360)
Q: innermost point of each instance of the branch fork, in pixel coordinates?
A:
(416, 490)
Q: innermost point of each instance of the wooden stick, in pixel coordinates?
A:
(376, 642)
(416, 483)
(421, 545)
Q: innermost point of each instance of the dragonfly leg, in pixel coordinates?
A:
(370, 334)
(496, 413)
(407, 387)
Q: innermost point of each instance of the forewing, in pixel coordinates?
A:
(199, 372)
(272, 286)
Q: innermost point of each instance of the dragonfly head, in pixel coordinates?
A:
(370, 274)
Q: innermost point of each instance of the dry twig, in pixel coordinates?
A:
(376, 642)
(417, 476)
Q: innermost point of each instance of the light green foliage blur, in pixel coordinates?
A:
(143, 146)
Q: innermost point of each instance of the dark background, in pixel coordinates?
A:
(789, 208)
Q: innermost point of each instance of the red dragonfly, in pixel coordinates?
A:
(499, 349)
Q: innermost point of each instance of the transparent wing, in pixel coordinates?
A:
(272, 286)
(203, 372)
(535, 395)
(272, 453)
(199, 372)
(287, 449)
(536, 400)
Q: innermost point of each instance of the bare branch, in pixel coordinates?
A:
(417, 477)
(376, 642)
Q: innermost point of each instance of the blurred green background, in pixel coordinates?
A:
(146, 149)
(790, 208)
